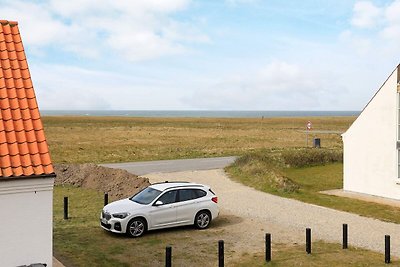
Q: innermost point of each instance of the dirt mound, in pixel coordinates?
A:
(116, 182)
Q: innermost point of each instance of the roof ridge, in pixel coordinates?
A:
(11, 22)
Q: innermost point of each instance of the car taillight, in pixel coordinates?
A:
(215, 199)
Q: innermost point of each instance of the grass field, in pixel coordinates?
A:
(324, 254)
(79, 241)
(119, 139)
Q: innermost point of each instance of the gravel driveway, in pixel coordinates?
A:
(287, 219)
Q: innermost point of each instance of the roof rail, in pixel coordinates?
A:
(171, 182)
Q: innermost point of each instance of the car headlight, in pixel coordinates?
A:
(121, 215)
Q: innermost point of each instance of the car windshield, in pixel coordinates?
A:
(146, 196)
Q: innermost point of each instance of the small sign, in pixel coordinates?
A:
(309, 125)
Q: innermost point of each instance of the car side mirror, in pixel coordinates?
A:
(158, 203)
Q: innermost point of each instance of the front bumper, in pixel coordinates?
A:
(113, 225)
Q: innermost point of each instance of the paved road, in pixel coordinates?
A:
(145, 167)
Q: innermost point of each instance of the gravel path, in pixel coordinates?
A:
(287, 219)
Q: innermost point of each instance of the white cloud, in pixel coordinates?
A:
(62, 87)
(278, 85)
(136, 30)
(366, 14)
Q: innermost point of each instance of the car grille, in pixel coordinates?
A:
(105, 225)
(106, 215)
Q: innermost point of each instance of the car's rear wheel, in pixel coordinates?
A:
(202, 219)
(136, 227)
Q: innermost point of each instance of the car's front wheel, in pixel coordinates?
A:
(202, 219)
(136, 227)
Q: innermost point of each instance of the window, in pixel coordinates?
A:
(189, 194)
(168, 198)
(145, 196)
(200, 193)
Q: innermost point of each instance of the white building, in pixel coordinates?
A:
(26, 171)
(371, 153)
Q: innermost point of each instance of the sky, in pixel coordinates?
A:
(208, 54)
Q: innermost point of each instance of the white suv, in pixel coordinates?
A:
(161, 205)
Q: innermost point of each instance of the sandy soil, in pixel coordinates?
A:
(116, 182)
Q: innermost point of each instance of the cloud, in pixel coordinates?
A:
(366, 14)
(63, 87)
(277, 85)
(136, 30)
(376, 30)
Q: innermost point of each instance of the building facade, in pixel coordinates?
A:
(371, 150)
(26, 171)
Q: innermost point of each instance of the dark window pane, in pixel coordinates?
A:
(186, 194)
(200, 193)
(168, 197)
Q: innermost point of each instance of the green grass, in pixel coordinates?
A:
(259, 167)
(323, 254)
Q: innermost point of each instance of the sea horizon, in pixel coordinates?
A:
(201, 113)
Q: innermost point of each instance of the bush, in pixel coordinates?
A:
(264, 166)
(311, 156)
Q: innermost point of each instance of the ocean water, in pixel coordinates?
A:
(198, 113)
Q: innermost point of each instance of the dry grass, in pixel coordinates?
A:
(119, 139)
(323, 254)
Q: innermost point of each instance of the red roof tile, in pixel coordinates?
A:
(23, 147)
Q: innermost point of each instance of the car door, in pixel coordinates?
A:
(188, 206)
(164, 215)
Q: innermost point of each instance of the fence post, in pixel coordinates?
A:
(268, 247)
(105, 199)
(65, 208)
(345, 235)
(387, 248)
(221, 253)
(168, 256)
(308, 240)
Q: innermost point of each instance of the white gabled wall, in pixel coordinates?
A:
(370, 154)
(26, 232)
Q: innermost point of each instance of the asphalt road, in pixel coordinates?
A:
(145, 167)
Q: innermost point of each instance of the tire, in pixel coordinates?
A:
(136, 227)
(202, 219)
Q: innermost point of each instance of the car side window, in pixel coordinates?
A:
(186, 194)
(189, 194)
(200, 193)
(168, 198)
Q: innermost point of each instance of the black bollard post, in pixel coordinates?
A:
(65, 208)
(168, 256)
(308, 240)
(345, 235)
(387, 248)
(105, 199)
(221, 253)
(268, 247)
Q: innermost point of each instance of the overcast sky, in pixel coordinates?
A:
(214, 55)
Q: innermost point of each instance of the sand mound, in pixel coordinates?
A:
(116, 182)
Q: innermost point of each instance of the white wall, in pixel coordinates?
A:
(370, 160)
(26, 232)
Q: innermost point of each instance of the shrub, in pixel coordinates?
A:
(311, 156)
